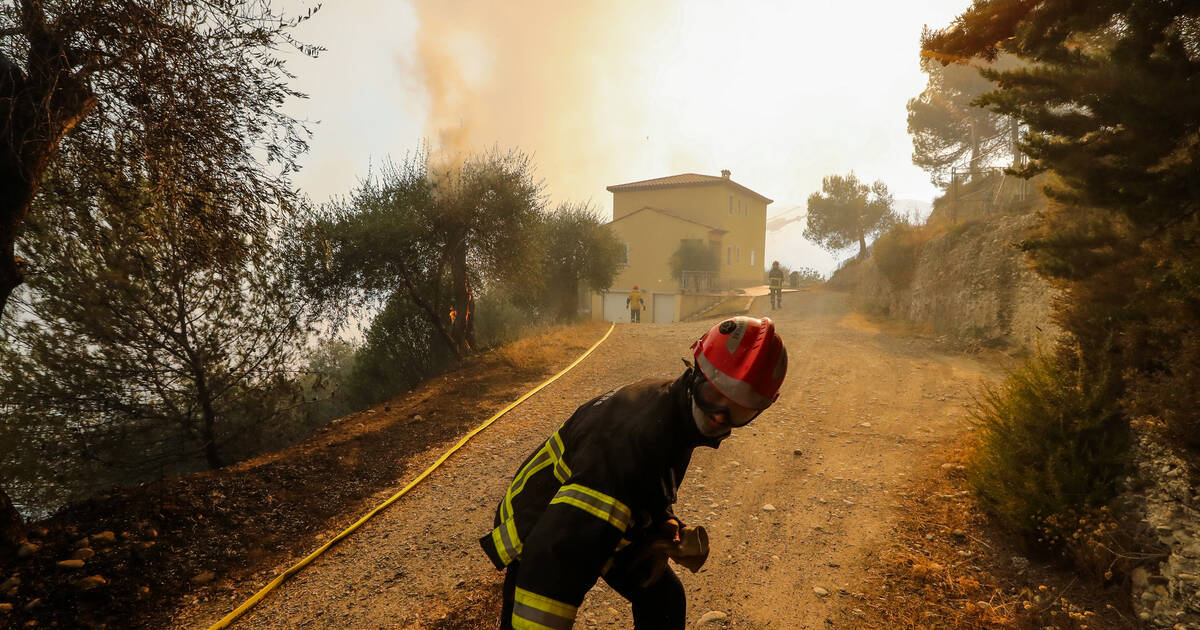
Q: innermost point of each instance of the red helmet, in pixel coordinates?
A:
(744, 359)
(635, 287)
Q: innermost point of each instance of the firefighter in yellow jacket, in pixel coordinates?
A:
(589, 501)
(635, 303)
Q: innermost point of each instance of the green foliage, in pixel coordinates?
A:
(897, 252)
(846, 212)
(189, 94)
(400, 351)
(580, 252)
(693, 255)
(1108, 95)
(432, 235)
(1052, 441)
(124, 359)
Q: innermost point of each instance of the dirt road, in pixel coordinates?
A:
(795, 504)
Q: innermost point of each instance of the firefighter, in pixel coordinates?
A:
(635, 303)
(775, 281)
(598, 493)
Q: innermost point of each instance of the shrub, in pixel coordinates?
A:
(499, 321)
(1052, 441)
(897, 251)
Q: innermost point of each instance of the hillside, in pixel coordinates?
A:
(968, 283)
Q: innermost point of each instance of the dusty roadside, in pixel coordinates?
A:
(799, 505)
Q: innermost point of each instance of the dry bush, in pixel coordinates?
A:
(1051, 441)
(538, 348)
(897, 252)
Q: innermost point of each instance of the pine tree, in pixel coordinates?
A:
(948, 129)
(1113, 113)
(846, 212)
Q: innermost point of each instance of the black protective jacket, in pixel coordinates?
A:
(605, 479)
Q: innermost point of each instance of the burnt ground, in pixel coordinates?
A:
(183, 539)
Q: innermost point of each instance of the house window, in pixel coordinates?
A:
(730, 204)
(752, 258)
(625, 253)
(729, 255)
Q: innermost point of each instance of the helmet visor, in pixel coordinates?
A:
(722, 410)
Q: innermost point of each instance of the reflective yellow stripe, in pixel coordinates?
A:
(501, 549)
(562, 472)
(539, 461)
(595, 503)
(538, 612)
(506, 541)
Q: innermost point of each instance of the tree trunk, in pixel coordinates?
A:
(462, 300)
(431, 314)
(12, 526)
(862, 236)
(976, 158)
(208, 432)
(1014, 139)
(35, 117)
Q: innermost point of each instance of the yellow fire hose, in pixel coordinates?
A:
(248, 604)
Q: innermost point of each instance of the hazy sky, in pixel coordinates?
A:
(602, 93)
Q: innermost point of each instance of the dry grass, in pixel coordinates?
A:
(539, 348)
(948, 566)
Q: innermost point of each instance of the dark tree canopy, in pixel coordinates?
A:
(847, 212)
(122, 359)
(185, 96)
(693, 255)
(1109, 95)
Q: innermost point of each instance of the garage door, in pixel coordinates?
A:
(664, 308)
(614, 307)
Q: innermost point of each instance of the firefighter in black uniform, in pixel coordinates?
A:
(591, 499)
(775, 281)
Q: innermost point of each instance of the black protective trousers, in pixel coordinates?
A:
(659, 606)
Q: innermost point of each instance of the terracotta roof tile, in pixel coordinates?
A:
(686, 179)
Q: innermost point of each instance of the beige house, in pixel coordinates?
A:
(655, 216)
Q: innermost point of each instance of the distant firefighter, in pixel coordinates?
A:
(635, 303)
(775, 281)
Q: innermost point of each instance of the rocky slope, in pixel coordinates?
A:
(969, 283)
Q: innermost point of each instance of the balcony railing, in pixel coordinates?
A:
(699, 281)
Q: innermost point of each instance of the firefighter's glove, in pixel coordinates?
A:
(691, 551)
